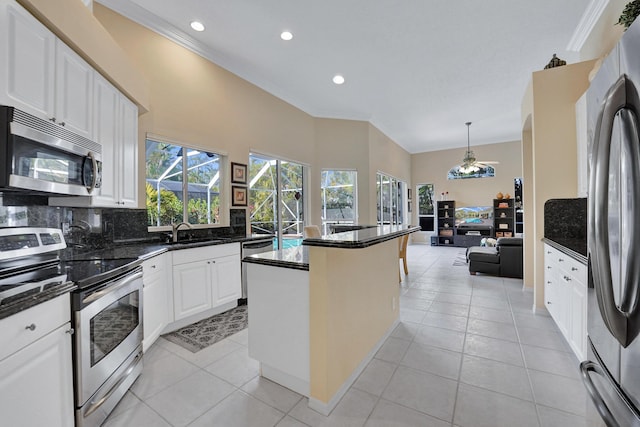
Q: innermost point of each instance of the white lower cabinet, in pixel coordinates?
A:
(156, 308)
(36, 380)
(204, 278)
(565, 295)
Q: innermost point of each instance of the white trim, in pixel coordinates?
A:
(326, 408)
(166, 140)
(589, 19)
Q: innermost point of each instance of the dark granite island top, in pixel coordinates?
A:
(360, 238)
(296, 258)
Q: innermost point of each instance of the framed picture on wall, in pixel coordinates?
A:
(239, 195)
(238, 173)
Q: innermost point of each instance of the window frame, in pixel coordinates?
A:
(224, 183)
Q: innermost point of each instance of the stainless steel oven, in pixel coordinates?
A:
(107, 343)
(43, 156)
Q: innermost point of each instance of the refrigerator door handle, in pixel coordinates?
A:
(586, 368)
(621, 95)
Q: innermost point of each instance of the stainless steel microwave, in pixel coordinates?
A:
(42, 156)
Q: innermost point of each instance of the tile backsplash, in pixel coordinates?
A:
(96, 227)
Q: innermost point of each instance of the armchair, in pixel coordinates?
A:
(505, 259)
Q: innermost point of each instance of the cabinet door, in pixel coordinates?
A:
(191, 288)
(156, 307)
(227, 285)
(129, 153)
(74, 91)
(578, 331)
(36, 383)
(106, 133)
(28, 62)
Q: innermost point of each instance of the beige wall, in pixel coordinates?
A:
(384, 156)
(553, 161)
(197, 102)
(346, 322)
(341, 144)
(432, 167)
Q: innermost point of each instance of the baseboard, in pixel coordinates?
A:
(326, 408)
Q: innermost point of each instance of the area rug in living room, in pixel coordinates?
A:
(209, 331)
(460, 259)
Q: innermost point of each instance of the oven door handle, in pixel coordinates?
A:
(97, 295)
(95, 404)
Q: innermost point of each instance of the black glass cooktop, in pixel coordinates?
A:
(27, 280)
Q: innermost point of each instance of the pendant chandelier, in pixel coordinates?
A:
(470, 166)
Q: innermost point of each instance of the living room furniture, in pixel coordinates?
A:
(503, 217)
(505, 259)
(446, 211)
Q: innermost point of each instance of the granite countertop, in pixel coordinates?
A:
(84, 266)
(22, 304)
(296, 258)
(575, 248)
(148, 250)
(363, 238)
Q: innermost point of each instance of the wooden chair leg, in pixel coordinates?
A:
(404, 263)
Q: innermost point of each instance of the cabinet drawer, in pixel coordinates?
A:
(45, 317)
(203, 253)
(154, 267)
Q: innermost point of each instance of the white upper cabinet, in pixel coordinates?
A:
(74, 90)
(43, 76)
(28, 62)
(115, 127)
(128, 184)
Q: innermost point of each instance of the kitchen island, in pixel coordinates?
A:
(319, 313)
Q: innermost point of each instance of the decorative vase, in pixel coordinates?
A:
(499, 196)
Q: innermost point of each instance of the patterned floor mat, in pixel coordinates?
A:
(209, 331)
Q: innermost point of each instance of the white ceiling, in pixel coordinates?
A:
(416, 69)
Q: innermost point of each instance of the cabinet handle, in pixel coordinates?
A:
(567, 278)
(549, 282)
(153, 266)
(52, 119)
(560, 260)
(574, 269)
(548, 302)
(70, 331)
(548, 252)
(61, 123)
(548, 267)
(31, 327)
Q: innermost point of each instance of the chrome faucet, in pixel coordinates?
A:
(175, 228)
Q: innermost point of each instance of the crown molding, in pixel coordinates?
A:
(589, 19)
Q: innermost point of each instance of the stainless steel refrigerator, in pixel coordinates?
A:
(612, 372)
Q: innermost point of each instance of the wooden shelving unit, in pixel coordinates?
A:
(446, 213)
(503, 218)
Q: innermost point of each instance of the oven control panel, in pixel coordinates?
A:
(23, 241)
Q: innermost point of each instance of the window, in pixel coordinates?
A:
(339, 198)
(276, 202)
(425, 207)
(181, 188)
(389, 198)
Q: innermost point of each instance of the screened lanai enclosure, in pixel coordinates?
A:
(179, 187)
(276, 199)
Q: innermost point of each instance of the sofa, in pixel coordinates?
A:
(505, 259)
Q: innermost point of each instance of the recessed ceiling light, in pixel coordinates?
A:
(338, 79)
(198, 26)
(286, 35)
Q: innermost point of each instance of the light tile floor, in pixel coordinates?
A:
(468, 352)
